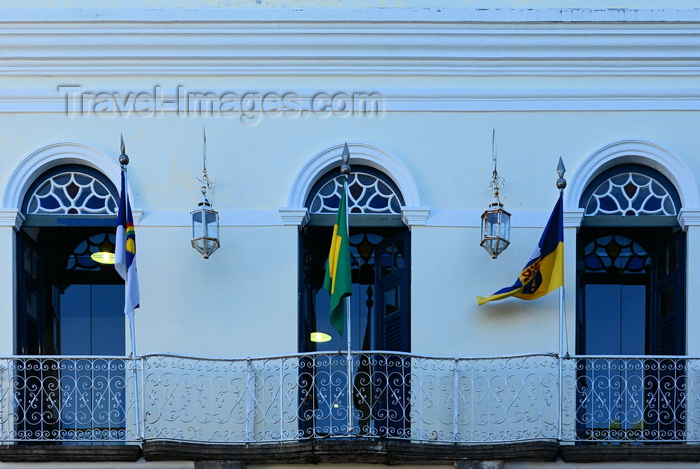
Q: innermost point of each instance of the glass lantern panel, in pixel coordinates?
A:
(210, 245)
(493, 246)
(494, 226)
(505, 226)
(197, 224)
(212, 224)
(485, 226)
(206, 246)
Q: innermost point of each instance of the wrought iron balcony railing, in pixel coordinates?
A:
(66, 399)
(631, 399)
(362, 395)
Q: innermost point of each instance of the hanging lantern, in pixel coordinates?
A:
(205, 220)
(495, 229)
(495, 222)
(105, 253)
(205, 228)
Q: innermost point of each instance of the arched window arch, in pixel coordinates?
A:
(361, 154)
(637, 152)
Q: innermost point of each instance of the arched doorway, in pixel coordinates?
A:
(369, 395)
(631, 304)
(69, 304)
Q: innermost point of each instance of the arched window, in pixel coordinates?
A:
(70, 301)
(379, 306)
(374, 219)
(632, 251)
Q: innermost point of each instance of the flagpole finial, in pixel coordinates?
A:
(123, 158)
(345, 168)
(561, 182)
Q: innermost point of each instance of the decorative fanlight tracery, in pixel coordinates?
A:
(630, 194)
(367, 194)
(71, 193)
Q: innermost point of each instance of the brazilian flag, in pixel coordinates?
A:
(338, 279)
(544, 271)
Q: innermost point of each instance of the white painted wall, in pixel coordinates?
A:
(240, 302)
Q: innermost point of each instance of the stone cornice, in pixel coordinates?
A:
(163, 100)
(11, 217)
(368, 451)
(291, 216)
(416, 42)
(573, 218)
(288, 14)
(415, 216)
(688, 218)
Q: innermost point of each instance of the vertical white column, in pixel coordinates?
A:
(692, 309)
(9, 224)
(10, 221)
(567, 375)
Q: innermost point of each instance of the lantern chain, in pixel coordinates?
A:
(496, 180)
(206, 181)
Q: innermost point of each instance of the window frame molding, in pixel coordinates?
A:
(413, 213)
(44, 159)
(638, 152)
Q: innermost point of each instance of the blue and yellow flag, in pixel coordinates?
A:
(544, 271)
(338, 279)
(125, 250)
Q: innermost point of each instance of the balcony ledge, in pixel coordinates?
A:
(361, 451)
(69, 453)
(666, 452)
(367, 451)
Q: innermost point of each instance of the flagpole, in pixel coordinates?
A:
(124, 161)
(345, 170)
(561, 185)
(349, 360)
(348, 316)
(132, 327)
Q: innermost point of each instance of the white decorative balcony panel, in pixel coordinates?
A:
(388, 395)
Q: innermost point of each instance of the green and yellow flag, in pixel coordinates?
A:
(338, 279)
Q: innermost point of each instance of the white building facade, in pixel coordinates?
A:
(224, 372)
